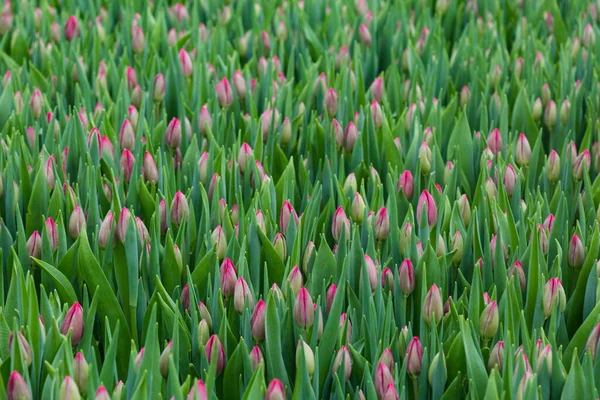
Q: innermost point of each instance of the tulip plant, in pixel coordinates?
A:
(299, 199)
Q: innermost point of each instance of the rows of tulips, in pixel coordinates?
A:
(299, 199)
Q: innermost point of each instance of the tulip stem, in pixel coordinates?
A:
(415, 386)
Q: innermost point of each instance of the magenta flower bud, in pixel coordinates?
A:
(432, 306)
(406, 274)
(544, 358)
(49, 172)
(350, 136)
(268, 118)
(280, 246)
(180, 209)
(364, 36)
(244, 156)
(371, 272)
(34, 245)
(68, 390)
(102, 394)
(256, 357)
(295, 280)
(465, 96)
(517, 269)
(257, 321)
(383, 378)
(239, 83)
(387, 279)
(127, 162)
(123, 224)
(185, 297)
(52, 233)
(73, 322)
(331, 291)
(550, 115)
(162, 216)
(76, 222)
(214, 348)
(228, 277)
(414, 356)
(589, 36)
(343, 359)
(24, 347)
(160, 87)
(426, 202)
(71, 28)
(510, 180)
(304, 312)
(391, 393)
(497, 356)
(581, 164)
(376, 114)
(331, 102)
(173, 134)
(377, 89)
(198, 391)
(592, 342)
(204, 120)
(576, 255)
(138, 40)
(554, 294)
(224, 93)
(494, 141)
(186, 63)
(522, 151)
(338, 133)
(340, 222)
(106, 147)
(406, 184)
(488, 322)
(118, 390)
(219, 241)
(275, 390)
(164, 359)
(139, 357)
(241, 295)
(382, 224)
(387, 358)
(81, 371)
(17, 388)
(35, 103)
(553, 166)
(357, 210)
(149, 169)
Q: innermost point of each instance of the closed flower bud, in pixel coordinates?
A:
(275, 390)
(164, 359)
(34, 245)
(179, 208)
(308, 257)
(414, 356)
(405, 239)
(118, 391)
(382, 224)
(343, 359)
(488, 322)
(350, 136)
(35, 103)
(173, 134)
(204, 120)
(358, 208)
(537, 109)
(224, 93)
(127, 162)
(18, 102)
(435, 364)
(257, 321)
(338, 133)
(219, 241)
(160, 87)
(494, 141)
(592, 342)
(149, 169)
(304, 312)
(138, 40)
(198, 391)
(228, 277)
(350, 184)
(68, 390)
(510, 180)
(17, 388)
(24, 347)
(522, 151)
(497, 356)
(554, 294)
(331, 102)
(517, 269)
(52, 232)
(287, 214)
(214, 348)
(564, 111)
(425, 158)
(80, 371)
(256, 357)
(553, 166)
(330, 296)
(186, 63)
(490, 189)
(309, 357)
(102, 394)
(406, 274)
(427, 203)
(387, 279)
(576, 255)
(550, 115)
(76, 222)
(387, 358)
(376, 114)
(73, 321)
(295, 280)
(371, 272)
(364, 36)
(203, 332)
(581, 164)
(432, 306)
(123, 224)
(589, 36)
(544, 358)
(383, 378)
(340, 223)
(241, 295)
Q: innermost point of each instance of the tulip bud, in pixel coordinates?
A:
(126, 164)
(127, 136)
(173, 134)
(545, 358)
(523, 151)
(228, 277)
(406, 274)
(138, 40)
(432, 306)
(275, 390)
(241, 295)
(510, 180)
(414, 356)
(24, 347)
(383, 378)
(564, 111)
(576, 255)
(203, 332)
(164, 359)
(550, 115)
(589, 36)
(34, 245)
(256, 357)
(490, 189)
(76, 222)
(494, 141)
(160, 87)
(179, 208)
(17, 388)
(425, 158)
(364, 36)
(376, 114)
(488, 322)
(330, 296)
(52, 232)
(426, 201)
(553, 294)
(343, 358)
(358, 208)
(465, 96)
(497, 356)
(304, 312)
(186, 63)
(517, 269)
(287, 213)
(581, 163)
(308, 256)
(349, 138)
(102, 394)
(204, 120)
(73, 321)
(68, 390)
(80, 371)
(224, 93)
(198, 391)
(35, 103)
(220, 241)
(309, 357)
(340, 222)
(257, 321)
(553, 166)
(592, 342)
(295, 280)
(331, 102)
(219, 352)
(118, 390)
(382, 224)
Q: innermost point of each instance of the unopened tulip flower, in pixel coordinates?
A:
(414, 356)
(427, 203)
(186, 63)
(592, 343)
(488, 322)
(164, 359)
(309, 357)
(350, 136)
(465, 96)
(343, 358)
(490, 189)
(364, 35)
(391, 393)
(68, 390)
(544, 358)
(18, 102)
(34, 245)
(17, 388)
(241, 295)
(71, 28)
(550, 115)
(102, 394)
(494, 141)
(198, 391)
(358, 208)
(330, 296)
(377, 89)
(118, 390)
(275, 390)
(510, 180)
(76, 222)
(224, 93)
(581, 164)
(382, 224)
(387, 358)
(432, 306)
(331, 102)
(576, 255)
(123, 224)
(304, 312)
(52, 233)
(179, 208)
(589, 36)
(160, 87)
(220, 241)
(228, 277)
(256, 357)
(350, 184)
(214, 348)
(80, 371)
(406, 184)
(553, 166)
(35, 103)
(340, 223)
(127, 162)
(149, 169)
(203, 332)
(287, 214)
(138, 40)
(497, 356)
(24, 347)
(554, 294)
(425, 158)
(257, 321)
(406, 274)
(173, 134)
(517, 269)
(376, 114)
(73, 321)
(383, 378)
(204, 120)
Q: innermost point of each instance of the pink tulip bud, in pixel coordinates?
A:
(406, 274)
(52, 233)
(204, 120)
(71, 28)
(340, 222)
(331, 102)
(228, 277)
(517, 269)
(382, 224)
(164, 359)
(510, 180)
(73, 321)
(364, 35)
(219, 241)
(224, 93)
(377, 89)
(350, 136)
(432, 306)
(24, 347)
(371, 272)
(138, 40)
(160, 87)
(198, 391)
(68, 390)
(494, 141)
(304, 312)
(331, 291)
(523, 151)
(239, 83)
(241, 295)
(123, 224)
(376, 114)
(275, 390)
(257, 321)
(383, 378)
(553, 166)
(488, 322)
(214, 348)
(173, 134)
(550, 115)
(338, 133)
(589, 36)
(269, 117)
(426, 202)
(34, 245)
(17, 388)
(102, 394)
(554, 294)
(244, 156)
(256, 357)
(295, 280)
(76, 222)
(406, 184)
(149, 169)
(80, 371)
(186, 63)
(343, 358)
(414, 356)
(497, 356)
(180, 209)
(576, 255)
(592, 342)
(127, 136)
(35, 103)
(287, 213)
(581, 164)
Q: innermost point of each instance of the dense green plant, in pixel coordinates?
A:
(302, 199)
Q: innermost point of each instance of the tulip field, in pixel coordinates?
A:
(299, 199)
